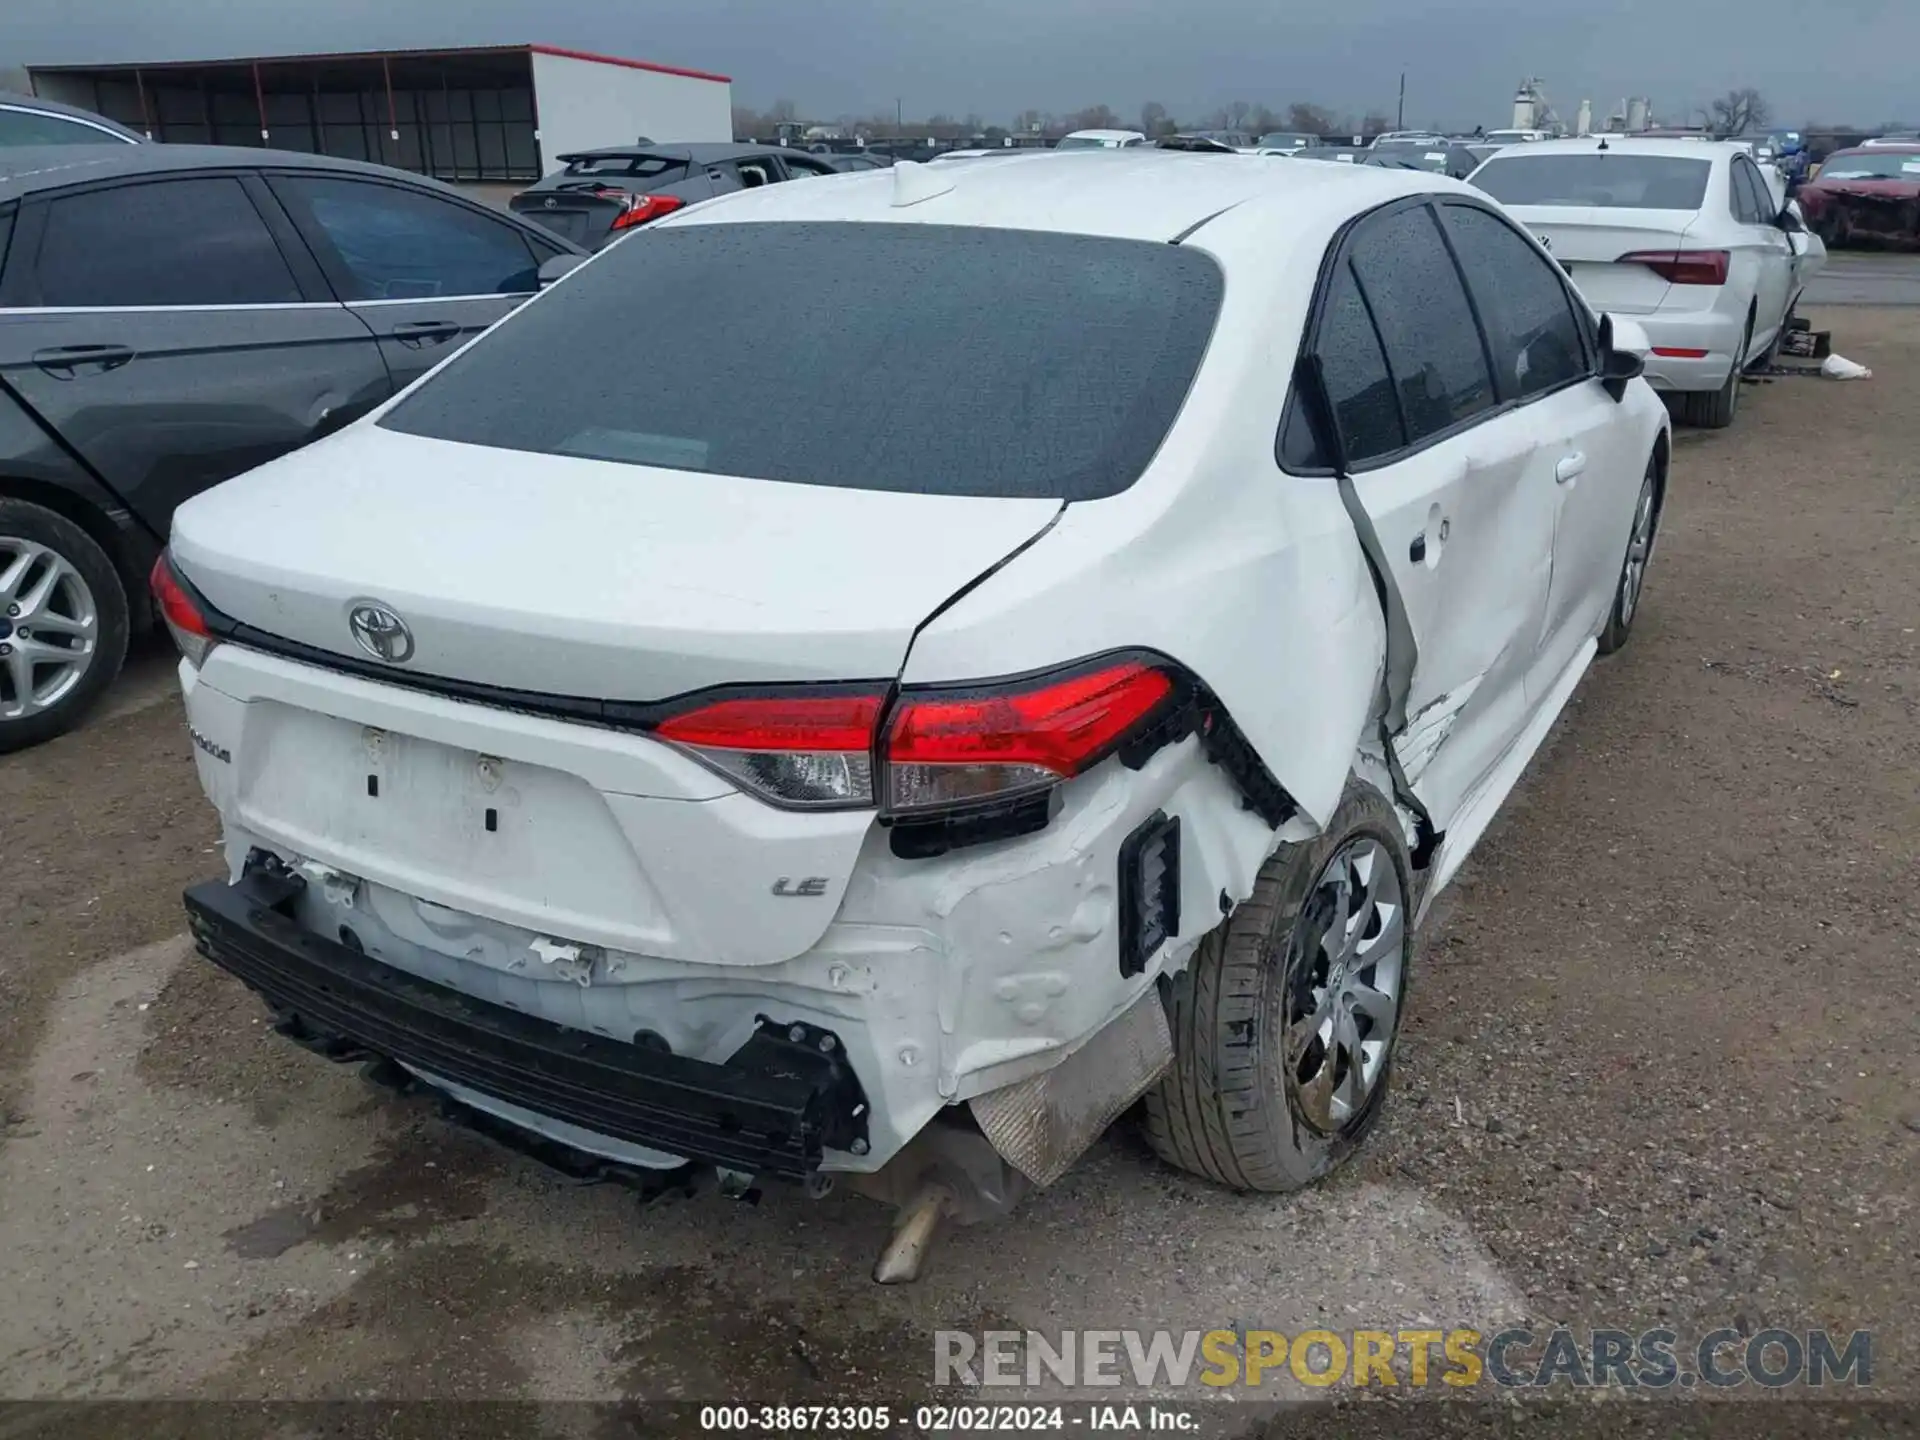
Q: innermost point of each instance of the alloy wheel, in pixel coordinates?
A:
(49, 628)
(1639, 549)
(1346, 966)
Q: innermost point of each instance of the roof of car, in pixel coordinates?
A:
(54, 107)
(1679, 148)
(27, 168)
(1102, 134)
(1141, 193)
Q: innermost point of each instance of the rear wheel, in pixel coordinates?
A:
(63, 623)
(1284, 1022)
(1715, 409)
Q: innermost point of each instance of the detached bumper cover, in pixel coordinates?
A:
(770, 1110)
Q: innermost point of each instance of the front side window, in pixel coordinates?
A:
(164, 242)
(1537, 341)
(926, 359)
(1432, 343)
(391, 243)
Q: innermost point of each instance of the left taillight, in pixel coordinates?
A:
(936, 750)
(643, 208)
(186, 617)
(810, 750)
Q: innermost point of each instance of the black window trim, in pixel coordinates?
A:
(20, 286)
(339, 282)
(1338, 254)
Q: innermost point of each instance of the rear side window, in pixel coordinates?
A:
(1355, 369)
(1537, 342)
(1606, 179)
(166, 242)
(390, 243)
(1433, 347)
(1759, 207)
(36, 127)
(921, 358)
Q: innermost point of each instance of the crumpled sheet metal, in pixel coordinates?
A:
(1042, 1124)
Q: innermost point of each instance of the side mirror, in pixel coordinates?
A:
(559, 265)
(1623, 354)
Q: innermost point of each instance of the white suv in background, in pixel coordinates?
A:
(663, 751)
(1686, 236)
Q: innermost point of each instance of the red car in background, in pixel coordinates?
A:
(1868, 193)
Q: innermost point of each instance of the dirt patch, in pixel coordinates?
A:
(100, 830)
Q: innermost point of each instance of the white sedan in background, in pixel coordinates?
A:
(1102, 140)
(1686, 236)
(910, 789)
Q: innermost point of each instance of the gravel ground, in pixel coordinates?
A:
(1660, 1069)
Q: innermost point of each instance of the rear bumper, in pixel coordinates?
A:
(1718, 335)
(770, 1110)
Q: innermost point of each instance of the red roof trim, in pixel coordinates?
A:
(630, 64)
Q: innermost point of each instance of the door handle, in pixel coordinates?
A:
(63, 362)
(1570, 468)
(416, 333)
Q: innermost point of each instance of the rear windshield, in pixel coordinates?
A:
(1872, 165)
(646, 167)
(1609, 181)
(903, 357)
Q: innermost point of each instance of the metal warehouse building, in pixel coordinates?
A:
(495, 113)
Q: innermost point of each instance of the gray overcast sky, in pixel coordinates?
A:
(996, 57)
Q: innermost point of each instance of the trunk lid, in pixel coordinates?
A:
(587, 578)
(1588, 241)
(565, 577)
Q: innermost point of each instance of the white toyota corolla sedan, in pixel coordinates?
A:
(1686, 236)
(876, 677)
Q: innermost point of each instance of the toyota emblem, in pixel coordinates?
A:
(380, 632)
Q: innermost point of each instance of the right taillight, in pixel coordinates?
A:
(642, 208)
(186, 621)
(953, 748)
(1683, 267)
(938, 749)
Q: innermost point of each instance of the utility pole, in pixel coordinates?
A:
(899, 122)
(1400, 119)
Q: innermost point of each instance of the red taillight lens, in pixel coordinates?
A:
(181, 612)
(960, 747)
(642, 208)
(1682, 267)
(807, 750)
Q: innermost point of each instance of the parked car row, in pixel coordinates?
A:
(173, 315)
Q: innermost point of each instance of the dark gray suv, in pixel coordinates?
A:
(602, 194)
(172, 315)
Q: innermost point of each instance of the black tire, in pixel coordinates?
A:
(1715, 409)
(1629, 593)
(1227, 1109)
(22, 521)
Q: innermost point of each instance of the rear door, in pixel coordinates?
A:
(1446, 472)
(424, 272)
(175, 333)
(1768, 251)
(1545, 350)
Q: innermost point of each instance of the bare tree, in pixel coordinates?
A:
(1311, 119)
(1739, 111)
(1028, 120)
(1262, 121)
(783, 112)
(1374, 123)
(749, 124)
(1154, 120)
(1094, 117)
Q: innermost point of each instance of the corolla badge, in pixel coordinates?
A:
(380, 632)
